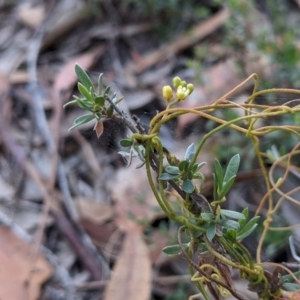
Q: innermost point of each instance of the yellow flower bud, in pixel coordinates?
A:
(190, 87)
(183, 83)
(167, 92)
(176, 82)
(180, 94)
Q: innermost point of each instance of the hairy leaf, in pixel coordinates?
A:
(190, 152)
(188, 186)
(172, 169)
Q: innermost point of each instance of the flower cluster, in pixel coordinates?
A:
(183, 89)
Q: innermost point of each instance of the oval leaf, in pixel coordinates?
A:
(232, 214)
(232, 233)
(172, 170)
(69, 103)
(188, 186)
(84, 92)
(219, 175)
(110, 111)
(183, 165)
(249, 225)
(245, 212)
(100, 100)
(126, 142)
(167, 176)
(84, 78)
(197, 167)
(232, 167)
(227, 186)
(291, 286)
(100, 84)
(82, 120)
(190, 151)
(245, 234)
(211, 231)
(99, 128)
(83, 103)
(231, 224)
(173, 250)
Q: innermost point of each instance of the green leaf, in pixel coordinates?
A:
(84, 78)
(288, 277)
(100, 84)
(232, 214)
(211, 231)
(197, 167)
(167, 176)
(173, 250)
(84, 92)
(227, 186)
(140, 151)
(207, 216)
(110, 111)
(172, 170)
(245, 212)
(243, 235)
(231, 233)
(183, 165)
(140, 165)
(106, 91)
(198, 176)
(249, 225)
(100, 100)
(188, 186)
(125, 154)
(219, 175)
(215, 187)
(232, 167)
(82, 120)
(288, 286)
(231, 224)
(190, 152)
(84, 103)
(126, 142)
(69, 103)
(118, 100)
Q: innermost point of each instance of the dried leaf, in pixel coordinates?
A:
(32, 16)
(93, 211)
(16, 262)
(131, 278)
(99, 128)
